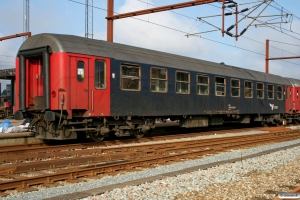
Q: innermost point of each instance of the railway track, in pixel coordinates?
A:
(31, 148)
(75, 164)
(37, 152)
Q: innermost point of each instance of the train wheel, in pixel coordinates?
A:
(263, 124)
(96, 137)
(137, 134)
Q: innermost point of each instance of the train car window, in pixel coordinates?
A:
(100, 67)
(220, 84)
(202, 85)
(80, 71)
(248, 89)
(158, 82)
(260, 90)
(130, 77)
(235, 88)
(182, 82)
(270, 91)
(287, 93)
(279, 92)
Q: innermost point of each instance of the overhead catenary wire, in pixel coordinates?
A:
(171, 28)
(7, 56)
(281, 9)
(7, 65)
(268, 23)
(273, 19)
(252, 20)
(180, 15)
(253, 39)
(272, 26)
(193, 25)
(196, 26)
(269, 45)
(285, 43)
(203, 17)
(286, 9)
(241, 4)
(209, 24)
(271, 15)
(169, 10)
(192, 34)
(255, 19)
(221, 8)
(242, 36)
(276, 47)
(177, 30)
(5, 61)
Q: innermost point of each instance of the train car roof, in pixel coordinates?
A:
(294, 82)
(80, 45)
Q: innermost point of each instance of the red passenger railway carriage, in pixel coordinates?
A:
(72, 86)
(292, 97)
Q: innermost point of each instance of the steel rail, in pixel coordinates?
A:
(31, 148)
(94, 170)
(115, 155)
(46, 154)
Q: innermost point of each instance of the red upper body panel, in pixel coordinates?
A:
(73, 83)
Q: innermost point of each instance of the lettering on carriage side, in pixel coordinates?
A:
(230, 107)
(273, 107)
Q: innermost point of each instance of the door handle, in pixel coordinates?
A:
(92, 100)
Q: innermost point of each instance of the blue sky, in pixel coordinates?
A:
(164, 31)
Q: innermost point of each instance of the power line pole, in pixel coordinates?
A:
(89, 18)
(25, 17)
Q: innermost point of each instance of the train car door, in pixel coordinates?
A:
(34, 83)
(289, 98)
(296, 105)
(99, 87)
(79, 83)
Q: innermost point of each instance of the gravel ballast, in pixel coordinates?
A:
(260, 177)
(193, 184)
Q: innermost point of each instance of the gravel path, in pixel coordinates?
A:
(256, 184)
(256, 178)
(194, 185)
